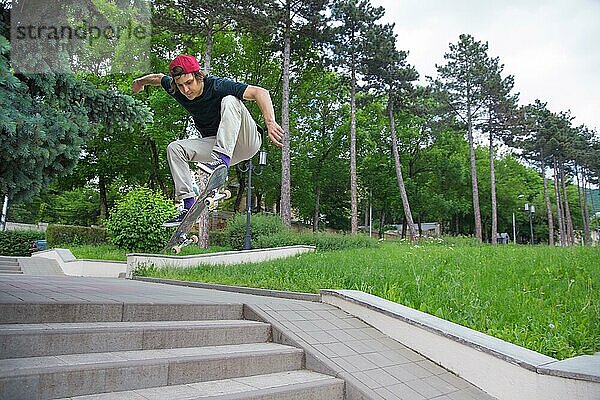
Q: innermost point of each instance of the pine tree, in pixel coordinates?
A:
(354, 19)
(461, 86)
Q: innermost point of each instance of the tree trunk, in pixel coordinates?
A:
(561, 221)
(208, 49)
(241, 178)
(569, 219)
(548, 203)
(202, 181)
(353, 183)
(317, 208)
(476, 208)
(286, 207)
(582, 205)
(400, 179)
(156, 167)
(586, 214)
(382, 224)
(103, 198)
(493, 190)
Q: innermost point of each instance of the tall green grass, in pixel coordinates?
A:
(543, 298)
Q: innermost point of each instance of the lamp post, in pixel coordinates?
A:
(530, 209)
(262, 161)
(3, 216)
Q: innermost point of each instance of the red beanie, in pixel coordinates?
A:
(188, 63)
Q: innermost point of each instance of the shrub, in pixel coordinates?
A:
(457, 241)
(75, 235)
(260, 225)
(136, 221)
(218, 238)
(17, 242)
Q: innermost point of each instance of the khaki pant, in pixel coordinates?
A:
(237, 137)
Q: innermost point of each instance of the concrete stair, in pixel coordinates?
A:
(9, 265)
(149, 351)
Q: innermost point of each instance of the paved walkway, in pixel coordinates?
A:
(373, 365)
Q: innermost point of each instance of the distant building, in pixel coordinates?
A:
(429, 229)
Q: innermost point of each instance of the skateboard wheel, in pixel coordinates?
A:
(194, 238)
(210, 202)
(176, 249)
(227, 193)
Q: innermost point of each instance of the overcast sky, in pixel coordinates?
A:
(551, 47)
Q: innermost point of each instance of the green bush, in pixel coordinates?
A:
(136, 221)
(322, 241)
(218, 238)
(260, 225)
(17, 243)
(58, 235)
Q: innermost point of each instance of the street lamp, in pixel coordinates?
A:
(262, 161)
(3, 216)
(531, 210)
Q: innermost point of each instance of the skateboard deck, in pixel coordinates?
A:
(208, 198)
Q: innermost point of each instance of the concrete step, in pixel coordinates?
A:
(10, 261)
(51, 377)
(10, 270)
(289, 385)
(31, 340)
(36, 313)
(9, 265)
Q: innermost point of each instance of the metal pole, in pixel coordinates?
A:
(531, 225)
(371, 214)
(247, 238)
(3, 217)
(514, 229)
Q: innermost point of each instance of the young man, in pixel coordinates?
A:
(228, 133)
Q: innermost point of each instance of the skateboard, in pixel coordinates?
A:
(210, 198)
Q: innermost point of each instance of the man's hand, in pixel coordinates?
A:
(276, 133)
(137, 86)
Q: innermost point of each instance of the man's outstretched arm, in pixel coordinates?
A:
(152, 79)
(263, 99)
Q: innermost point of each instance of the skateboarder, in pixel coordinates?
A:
(228, 134)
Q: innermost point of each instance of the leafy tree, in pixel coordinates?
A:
(317, 147)
(184, 18)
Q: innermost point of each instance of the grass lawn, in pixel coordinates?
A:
(543, 298)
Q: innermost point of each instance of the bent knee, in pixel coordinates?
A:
(230, 101)
(174, 147)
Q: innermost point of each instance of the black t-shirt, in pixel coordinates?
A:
(206, 108)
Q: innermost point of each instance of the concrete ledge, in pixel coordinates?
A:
(91, 268)
(236, 289)
(39, 266)
(222, 258)
(502, 369)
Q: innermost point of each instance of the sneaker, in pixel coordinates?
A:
(176, 220)
(211, 166)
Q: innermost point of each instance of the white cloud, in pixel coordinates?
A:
(549, 46)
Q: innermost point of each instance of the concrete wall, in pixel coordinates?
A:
(222, 258)
(93, 268)
(502, 369)
(114, 269)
